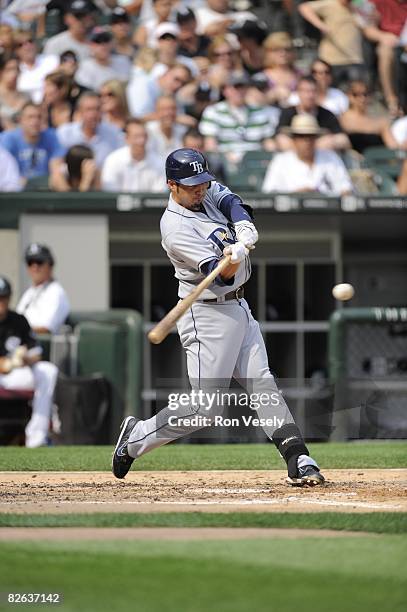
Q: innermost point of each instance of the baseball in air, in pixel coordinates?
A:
(343, 292)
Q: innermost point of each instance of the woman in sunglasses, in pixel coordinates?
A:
(114, 103)
(224, 60)
(363, 128)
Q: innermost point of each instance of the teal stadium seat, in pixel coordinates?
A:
(250, 172)
(385, 160)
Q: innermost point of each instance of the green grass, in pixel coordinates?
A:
(205, 457)
(318, 575)
(374, 522)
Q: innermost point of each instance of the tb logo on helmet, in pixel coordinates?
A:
(198, 167)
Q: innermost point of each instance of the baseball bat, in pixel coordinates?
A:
(163, 328)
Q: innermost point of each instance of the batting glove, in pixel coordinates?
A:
(238, 252)
(246, 233)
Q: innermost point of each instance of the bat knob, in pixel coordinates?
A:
(154, 337)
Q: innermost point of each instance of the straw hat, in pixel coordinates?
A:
(304, 125)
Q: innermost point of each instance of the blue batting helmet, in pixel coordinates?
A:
(187, 167)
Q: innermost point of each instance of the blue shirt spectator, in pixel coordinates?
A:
(33, 149)
(101, 137)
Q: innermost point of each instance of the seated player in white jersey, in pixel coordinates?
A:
(203, 222)
(21, 367)
(45, 304)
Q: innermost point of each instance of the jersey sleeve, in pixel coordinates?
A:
(189, 251)
(229, 203)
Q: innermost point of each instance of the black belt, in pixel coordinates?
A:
(237, 294)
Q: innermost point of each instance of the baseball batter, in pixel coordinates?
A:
(203, 222)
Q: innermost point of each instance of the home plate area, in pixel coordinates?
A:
(357, 490)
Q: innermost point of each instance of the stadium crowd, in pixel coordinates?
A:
(94, 95)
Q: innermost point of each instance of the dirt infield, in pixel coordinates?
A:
(357, 490)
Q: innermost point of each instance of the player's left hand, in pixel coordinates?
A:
(246, 233)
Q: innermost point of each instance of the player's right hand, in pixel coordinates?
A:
(238, 252)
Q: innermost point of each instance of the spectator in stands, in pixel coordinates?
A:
(132, 168)
(279, 67)
(144, 90)
(251, 35)
(224, 57)
(307, 92)
(9, 175)
(56, 104)
(306, 168)
(37, 152)
(45, 304)
(114, 103)
(392, 17)
(167, 50)
(69, 66)
(81, 174)
(364, 130)
(21, 367)
(145, 35)
(257, 94)
(79, 19)
(33, 67)
(191, 44)
(216, 16)
(328, 97)
(341, 37)
(102, 65)
(101, 137)
(165, 133)
(120, 25)
(233, 127)
(11, 100)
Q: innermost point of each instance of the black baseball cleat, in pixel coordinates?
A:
(121, 460)
(308, 475)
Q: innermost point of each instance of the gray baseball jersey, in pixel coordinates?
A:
(222, 340)
(193, 239)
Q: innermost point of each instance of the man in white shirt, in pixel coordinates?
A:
(79, 19)
(131, 168)
(103, 65)
(10, 179)
(33, 67)
(306, 168)
(45, 304)
(165, 134)
(101, 137)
